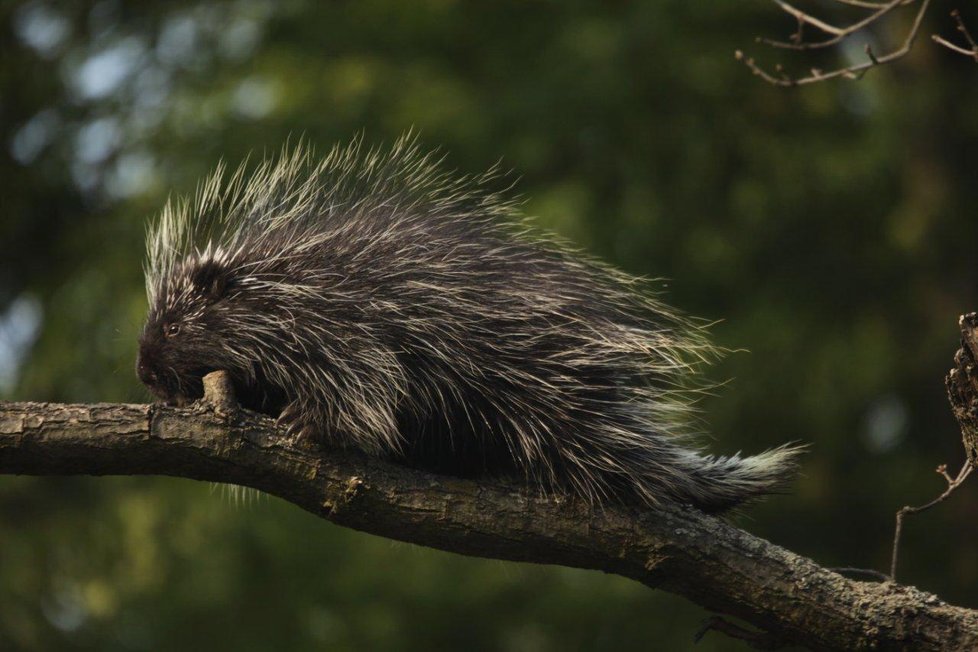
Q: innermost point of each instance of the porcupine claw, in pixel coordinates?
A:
(292, 418)
(289, 417)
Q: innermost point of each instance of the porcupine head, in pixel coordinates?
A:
(372, 300)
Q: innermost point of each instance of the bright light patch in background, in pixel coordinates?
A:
(254, 98)
(177, 43)
(104, 72)
(41, 27)
(19, 327)
(97, 140)
(66, 610)
(240, 39)
(133, 173)
(36, 134)
(886, 424)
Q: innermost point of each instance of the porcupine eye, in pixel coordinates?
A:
(171, 329)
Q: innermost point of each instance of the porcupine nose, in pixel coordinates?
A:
(145, 373)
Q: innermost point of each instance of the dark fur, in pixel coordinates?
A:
(376, 303)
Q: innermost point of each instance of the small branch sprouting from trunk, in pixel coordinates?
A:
(962, 392)
(903, 512)
(757, 640)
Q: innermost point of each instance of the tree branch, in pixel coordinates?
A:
(962, 386)
(833, 35)
(907, 510)
(971, 50)
(837, 34)
(677, 549)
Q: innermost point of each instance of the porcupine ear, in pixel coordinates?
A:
(211, 281)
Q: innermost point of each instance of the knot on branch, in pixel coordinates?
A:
(338, 500)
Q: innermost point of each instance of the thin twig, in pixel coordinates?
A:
(838, 33)
(863, 4)
(952, 484)
(964, 29)
(804, 17)
(971, 50)
(756, 639)
(867, 572)
(849, 72)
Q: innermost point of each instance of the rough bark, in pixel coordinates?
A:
(962, 386)
(789, 597)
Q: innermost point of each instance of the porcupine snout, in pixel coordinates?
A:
(145, 372)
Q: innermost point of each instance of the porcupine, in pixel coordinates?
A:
(372, 300)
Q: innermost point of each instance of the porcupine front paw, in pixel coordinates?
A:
(298, 425)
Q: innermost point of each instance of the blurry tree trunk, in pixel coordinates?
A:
(789, 598)
(962, 386)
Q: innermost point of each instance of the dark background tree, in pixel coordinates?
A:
(829, 228)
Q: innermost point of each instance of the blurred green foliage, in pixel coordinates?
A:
(829, 230)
